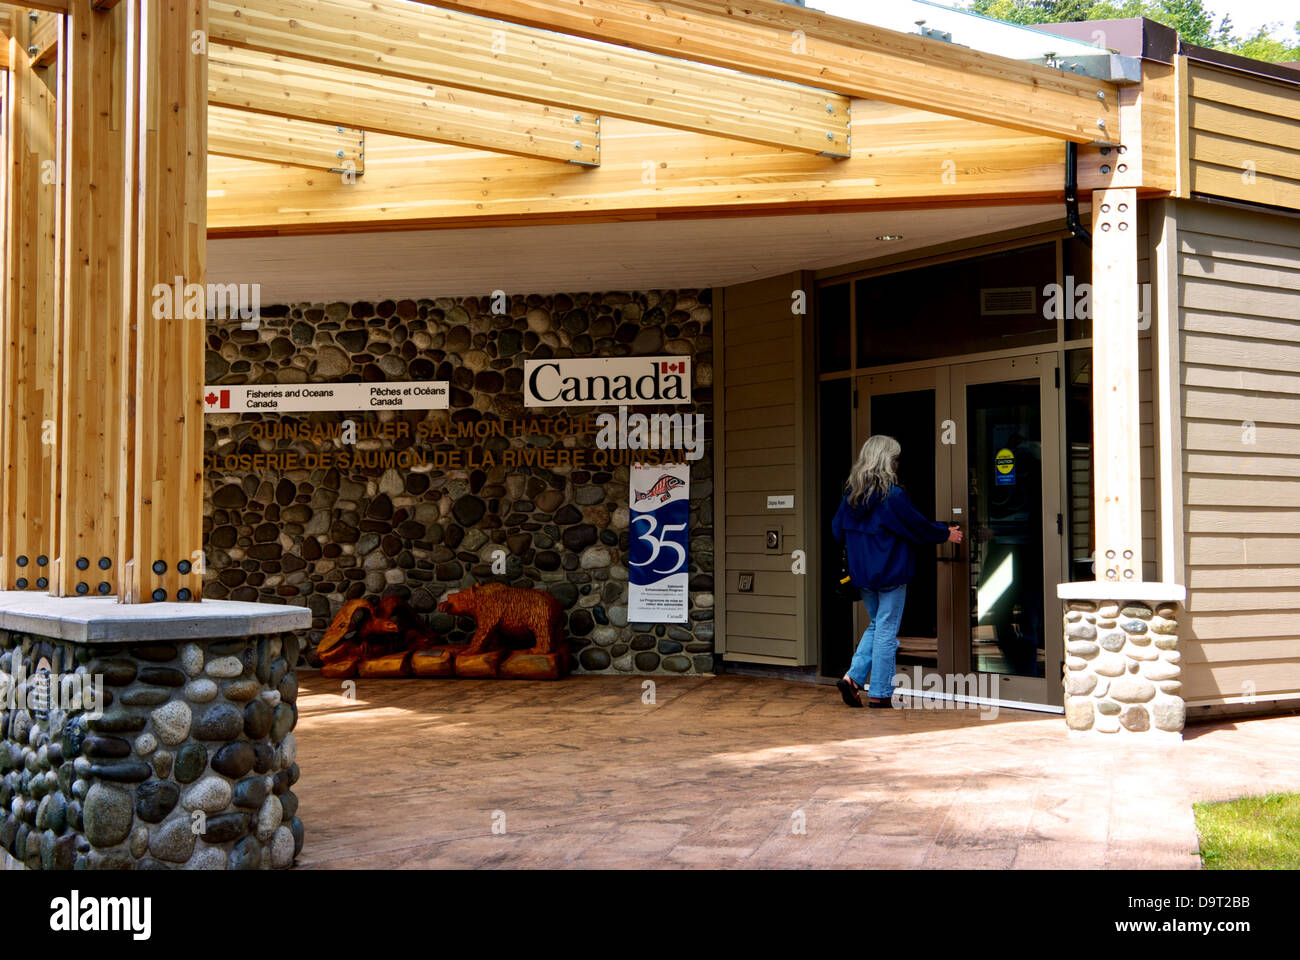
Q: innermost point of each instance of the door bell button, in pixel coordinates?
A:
(772, 540)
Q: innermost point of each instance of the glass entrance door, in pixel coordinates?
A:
(1006, 479)
(980, 447)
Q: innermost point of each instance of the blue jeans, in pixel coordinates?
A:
(879, 645)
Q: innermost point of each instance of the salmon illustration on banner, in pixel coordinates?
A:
(658, 543)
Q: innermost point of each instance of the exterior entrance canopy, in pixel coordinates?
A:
(843, 228)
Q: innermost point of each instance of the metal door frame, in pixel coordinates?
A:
(1045, 367)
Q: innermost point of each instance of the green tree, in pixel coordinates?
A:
(1193, 21)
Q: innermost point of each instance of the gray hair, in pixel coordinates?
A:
(874, 473)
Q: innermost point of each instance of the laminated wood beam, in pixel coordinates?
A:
(163, 490)
(304, 90)
(1117, 473)
(28, 377)
(913, 158)
(50, 6)
(472, 53)
(94, 274)
(272, 139)
(772, 39)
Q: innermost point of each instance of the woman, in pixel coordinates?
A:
(881, 525)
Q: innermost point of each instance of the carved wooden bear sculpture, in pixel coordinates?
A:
(373, 640)
(514, 611)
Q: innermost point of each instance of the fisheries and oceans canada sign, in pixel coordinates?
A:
(658, 541)
(292, 398)
(587, 382)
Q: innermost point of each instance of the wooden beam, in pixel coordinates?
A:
(167, 97)
(301, 89)
(49, 6)
(43, 31)
(905, 158)
(270, 139)
(1116, 421)
(773, 39)
(443, 47)
(27, 371)
(94, 273)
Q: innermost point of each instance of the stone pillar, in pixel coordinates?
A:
(143, 745)
(1123, 670)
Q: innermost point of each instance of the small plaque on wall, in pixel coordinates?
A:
(784, 501)
(745, 583)
(295, 398)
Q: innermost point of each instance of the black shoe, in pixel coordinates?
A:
(880, 703)
(849, 691)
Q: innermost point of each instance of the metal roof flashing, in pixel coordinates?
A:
(1069, 50)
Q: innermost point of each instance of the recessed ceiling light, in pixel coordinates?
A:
(890, 236)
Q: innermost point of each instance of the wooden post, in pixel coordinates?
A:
(27, 369)
(95, 140)
(162, 491)
(1117, 483)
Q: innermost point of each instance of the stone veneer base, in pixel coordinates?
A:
(190, 760)
(1123, 668)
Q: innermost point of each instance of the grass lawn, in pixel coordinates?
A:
(1255, 833)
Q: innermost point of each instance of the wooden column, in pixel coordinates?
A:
(161, 485)
(27, 367)
(1115, 413)
(93, 275)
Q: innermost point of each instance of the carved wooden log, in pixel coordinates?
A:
(435, 661)
(396, 664)
(522, 665)
(485, 664)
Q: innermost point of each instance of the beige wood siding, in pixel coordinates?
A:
(1244, 136)
(1239, 330)
(764, 448)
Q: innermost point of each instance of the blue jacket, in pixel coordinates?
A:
(880, 537)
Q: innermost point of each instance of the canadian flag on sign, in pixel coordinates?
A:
(673, 367)
(218, 401)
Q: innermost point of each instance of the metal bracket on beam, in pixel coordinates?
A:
(595, 141)
(930, 33)
(1103, 65)
(360, 170)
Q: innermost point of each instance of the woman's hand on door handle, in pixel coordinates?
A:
(954, 533)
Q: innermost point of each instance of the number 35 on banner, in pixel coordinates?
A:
(659, 544)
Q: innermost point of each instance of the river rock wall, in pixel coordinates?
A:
(392, 521)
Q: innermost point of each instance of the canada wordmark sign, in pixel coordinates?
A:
(295, 397)
(585, 382)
